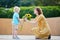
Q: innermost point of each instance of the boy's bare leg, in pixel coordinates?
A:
(15, 31)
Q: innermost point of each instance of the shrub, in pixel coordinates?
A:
(48, 11)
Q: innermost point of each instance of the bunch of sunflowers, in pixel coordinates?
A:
(28, 16)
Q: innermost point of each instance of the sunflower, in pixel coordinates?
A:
(28, 16)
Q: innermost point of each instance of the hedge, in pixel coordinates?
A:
(48, 11)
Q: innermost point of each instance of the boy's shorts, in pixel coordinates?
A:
(14, 26)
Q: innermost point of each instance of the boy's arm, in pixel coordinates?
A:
(18, 19)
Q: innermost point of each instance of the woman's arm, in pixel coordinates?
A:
(31, 21)
(36, 19)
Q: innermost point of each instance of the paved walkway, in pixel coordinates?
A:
(26, 37)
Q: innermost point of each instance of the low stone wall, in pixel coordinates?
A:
(6, 26)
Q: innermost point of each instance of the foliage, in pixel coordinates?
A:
(48, 11)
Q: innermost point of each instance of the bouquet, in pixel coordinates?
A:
(27, 16)
(21, 27)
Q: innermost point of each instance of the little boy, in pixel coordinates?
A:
(15, 22)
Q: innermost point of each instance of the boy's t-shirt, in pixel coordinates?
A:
(15, 18)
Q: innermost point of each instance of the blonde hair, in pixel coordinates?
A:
(16, 7)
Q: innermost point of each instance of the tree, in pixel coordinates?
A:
(11, 3)
(8, 3)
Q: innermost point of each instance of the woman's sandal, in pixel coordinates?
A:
(49, 37)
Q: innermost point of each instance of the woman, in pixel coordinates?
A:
(42, 31)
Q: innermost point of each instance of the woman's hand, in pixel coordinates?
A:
(25, 19)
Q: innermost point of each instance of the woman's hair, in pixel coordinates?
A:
(39, 10)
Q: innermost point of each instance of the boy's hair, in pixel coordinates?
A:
(16, 7)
